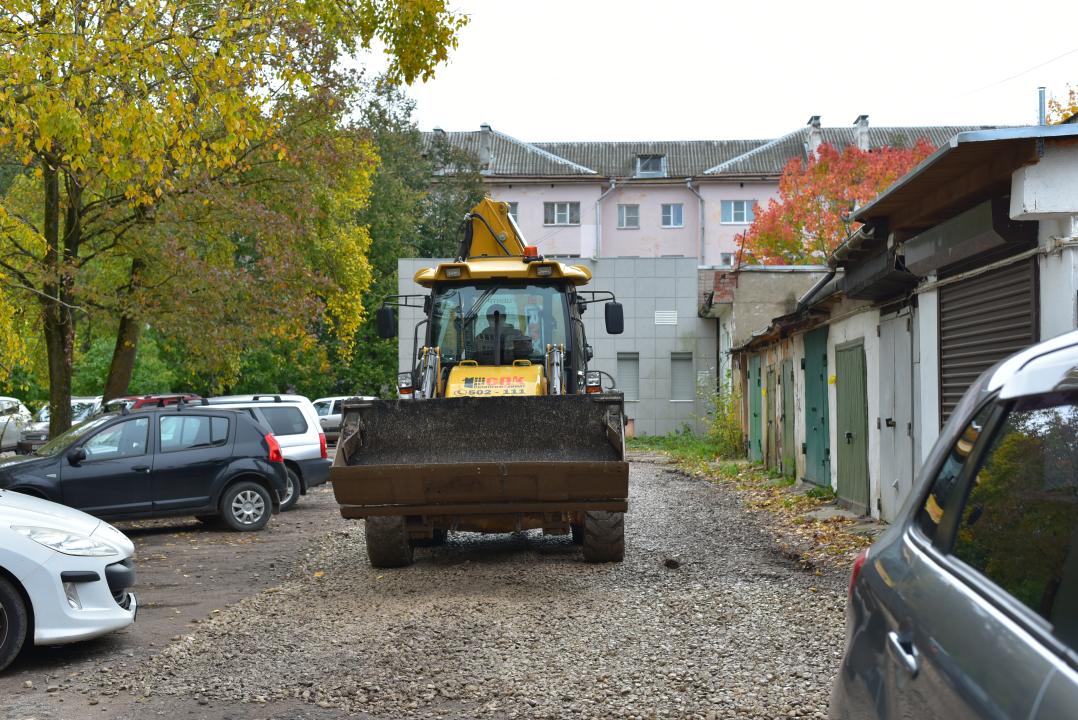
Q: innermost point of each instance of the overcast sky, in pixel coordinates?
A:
(690, 69)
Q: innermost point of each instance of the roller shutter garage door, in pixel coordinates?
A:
(982, 320)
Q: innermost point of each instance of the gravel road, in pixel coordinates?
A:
(704, 619)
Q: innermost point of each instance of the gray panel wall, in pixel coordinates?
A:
(642, 285)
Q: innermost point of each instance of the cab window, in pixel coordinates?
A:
(122, 440)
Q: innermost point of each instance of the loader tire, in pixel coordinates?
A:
(604, 536)
(387, 542)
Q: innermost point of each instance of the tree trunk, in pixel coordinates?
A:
(123, 355)
(59, 321)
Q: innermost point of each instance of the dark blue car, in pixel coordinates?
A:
(967, 607)
(156, 462)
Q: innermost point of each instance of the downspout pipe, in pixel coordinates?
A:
(688, 184)
(598, 217)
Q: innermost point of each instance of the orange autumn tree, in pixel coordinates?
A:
(809, 218)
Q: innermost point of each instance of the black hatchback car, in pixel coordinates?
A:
(156, 462)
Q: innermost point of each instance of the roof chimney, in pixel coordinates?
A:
(815, 137)
(439, 132)
(861, 123)
(485, 134)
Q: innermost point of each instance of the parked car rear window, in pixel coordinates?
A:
(1020, 521)
(182, 432)
(285, 420)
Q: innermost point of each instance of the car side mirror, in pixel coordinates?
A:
(615, 318)
(387, 322)
(76, 456)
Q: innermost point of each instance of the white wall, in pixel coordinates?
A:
(1058, 276)
(926, 372)
(861, 326)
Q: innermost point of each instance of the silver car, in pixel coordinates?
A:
(967, 607)
(13, 418)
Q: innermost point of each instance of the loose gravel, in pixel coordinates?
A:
(704, 619)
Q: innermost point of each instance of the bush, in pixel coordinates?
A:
(724, 425)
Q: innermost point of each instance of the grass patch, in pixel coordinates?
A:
(821, 493)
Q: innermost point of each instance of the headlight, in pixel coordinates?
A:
(67, 543)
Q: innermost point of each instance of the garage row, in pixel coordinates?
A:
(970, 257)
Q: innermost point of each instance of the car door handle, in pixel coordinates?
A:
(904, 652)
(141, 468)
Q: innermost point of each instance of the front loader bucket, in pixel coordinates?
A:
(450, 456)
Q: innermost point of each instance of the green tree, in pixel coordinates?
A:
(117, 106)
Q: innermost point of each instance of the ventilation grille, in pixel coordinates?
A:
(666, 317)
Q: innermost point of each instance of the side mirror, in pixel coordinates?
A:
(615, 318)
(76, 456)
(387, 322)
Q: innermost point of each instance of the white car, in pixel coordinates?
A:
(294, 423)
(62, 572)
(13, 418)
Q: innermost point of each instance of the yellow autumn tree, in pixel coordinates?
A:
(114, 106)
(1064, 108)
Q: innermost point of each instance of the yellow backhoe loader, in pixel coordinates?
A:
(499, 426)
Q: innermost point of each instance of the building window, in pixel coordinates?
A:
(673, 217)
(682, 383)
(737, 212)
(629, 374)
(726, 259)
(513, 211)
(651, 166)
(628, 217)
(561, 213)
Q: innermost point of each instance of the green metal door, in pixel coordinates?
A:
(817, 431)
(851, 390)
(786, 420)
(755, 448)
(769, 397)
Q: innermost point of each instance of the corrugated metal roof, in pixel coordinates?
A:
(509, 156)
(771, 158)
(683, 158)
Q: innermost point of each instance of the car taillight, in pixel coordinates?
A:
(856, 572)
(275, 454)
(322, 445)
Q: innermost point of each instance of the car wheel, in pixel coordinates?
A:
(291, 490)
(246, 506)
(13, 622)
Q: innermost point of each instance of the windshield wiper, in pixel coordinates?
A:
(474, 311)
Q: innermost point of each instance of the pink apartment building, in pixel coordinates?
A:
(653, 199)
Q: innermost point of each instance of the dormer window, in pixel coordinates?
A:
(651, 166)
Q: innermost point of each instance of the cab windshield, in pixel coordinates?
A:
(468, 321)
